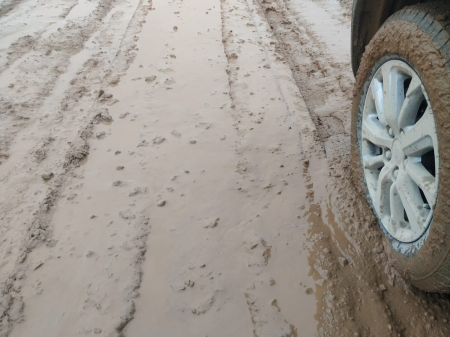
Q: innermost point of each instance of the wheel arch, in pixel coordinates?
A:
(367, 17)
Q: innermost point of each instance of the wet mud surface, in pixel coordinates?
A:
(180, 168)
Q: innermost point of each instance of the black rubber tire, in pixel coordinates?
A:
(419, 35)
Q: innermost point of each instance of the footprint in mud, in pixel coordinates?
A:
(170, 80)
(259, 252)
(72, 196)
(127, 215)
(176, 133)
(40, 154)
(182, 287)
(158, 140)
(138, 190)
(203, 125)
(100, 135)
(212, 224)
(143, 143)
(47, 176)
(275, 304)
(114, 81)
(150, 79)
(205, 305)
(264, 320)
(267, 252)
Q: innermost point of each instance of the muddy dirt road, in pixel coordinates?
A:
(181, 168)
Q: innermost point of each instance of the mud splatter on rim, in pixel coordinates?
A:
(399, 151)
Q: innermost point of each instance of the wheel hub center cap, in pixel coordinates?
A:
(397, 152)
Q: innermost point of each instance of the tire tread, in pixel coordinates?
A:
(438, 29)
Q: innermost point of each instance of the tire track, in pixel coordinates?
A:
(321, 80)
(311, 150)
(39, 230)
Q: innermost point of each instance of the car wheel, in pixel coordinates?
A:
(401, 140)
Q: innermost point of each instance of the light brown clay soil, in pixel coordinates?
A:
(181, 168)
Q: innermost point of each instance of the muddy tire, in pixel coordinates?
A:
(417, 37)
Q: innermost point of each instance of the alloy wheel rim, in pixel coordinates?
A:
(399, 151)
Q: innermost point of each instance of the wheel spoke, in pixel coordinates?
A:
(393, 95)
(373, 162)
(410, 107)
(424, 180)
(381, 201)
(377, 93)
(419, 139)
(397, 209)
(412, 201)
(375, 133)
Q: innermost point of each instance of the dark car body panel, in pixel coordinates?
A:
(367, 17)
